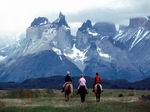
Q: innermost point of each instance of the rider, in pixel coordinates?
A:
(97, 80)
(67, 80)
(82, 82)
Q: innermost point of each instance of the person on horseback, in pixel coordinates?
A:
(82, 82)
(68, 79)
(97, 80)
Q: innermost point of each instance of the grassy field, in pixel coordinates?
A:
(43, 100)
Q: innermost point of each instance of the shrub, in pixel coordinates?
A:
(120, 95)
(145, 97)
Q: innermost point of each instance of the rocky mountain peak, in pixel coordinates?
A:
(105, 28)
(85, 25)
(61, 20)
(39, 21)
(137, 22)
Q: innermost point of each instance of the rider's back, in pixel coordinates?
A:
(82, 81)
(68, 79)
(98, 79)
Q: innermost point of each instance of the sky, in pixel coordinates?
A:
(17, 15)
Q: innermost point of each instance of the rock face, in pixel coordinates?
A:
(85, 26)
(43, 64)
(105, 29)
(60, 21)
(39, 21)
(137, 22)
(136, 40)
(49, 49)
(40, 54)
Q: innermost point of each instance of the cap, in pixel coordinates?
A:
(68, 72)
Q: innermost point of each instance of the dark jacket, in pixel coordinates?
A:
(68, 79)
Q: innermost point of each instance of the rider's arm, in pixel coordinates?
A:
(95, 80)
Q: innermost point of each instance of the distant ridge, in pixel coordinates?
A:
(56, 82)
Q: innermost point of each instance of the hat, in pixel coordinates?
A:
(68, 72)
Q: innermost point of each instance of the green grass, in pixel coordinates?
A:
(37, 109)
(97, 107)
(53, 101)
(19, 93)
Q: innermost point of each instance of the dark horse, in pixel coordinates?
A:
(97, 89)
(82, 91)
(68, 90)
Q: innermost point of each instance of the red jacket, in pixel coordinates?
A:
(98, 79)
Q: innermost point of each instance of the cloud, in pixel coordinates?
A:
(16, 15)
(119, 15)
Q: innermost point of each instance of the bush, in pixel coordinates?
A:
(120, 95)
(145, 97)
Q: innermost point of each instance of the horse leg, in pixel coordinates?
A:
(65, 97)
(98, 97)
(82, 98)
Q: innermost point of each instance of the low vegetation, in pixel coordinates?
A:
(44, 100)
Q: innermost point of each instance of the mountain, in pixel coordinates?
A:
(102, 55)
(40, 53)
(39, 21)
(49, 49)
(135, 38)
(43, 64)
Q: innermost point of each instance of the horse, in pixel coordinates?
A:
(68, 90)
(98, 90)
(82, 91)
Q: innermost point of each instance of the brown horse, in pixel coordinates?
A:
(98, 90)
(68, 90)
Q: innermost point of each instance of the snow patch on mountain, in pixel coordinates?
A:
(76, 54)
(92, 33)
(57, 51)
(119, 36)
(137, 38)
(2, 58)
(77, 57)
(146, 35)
(103, 55)
(67, 28)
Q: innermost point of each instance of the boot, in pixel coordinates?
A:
(62, 90)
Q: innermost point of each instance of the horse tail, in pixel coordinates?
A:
(69, 88)
(98, 88)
